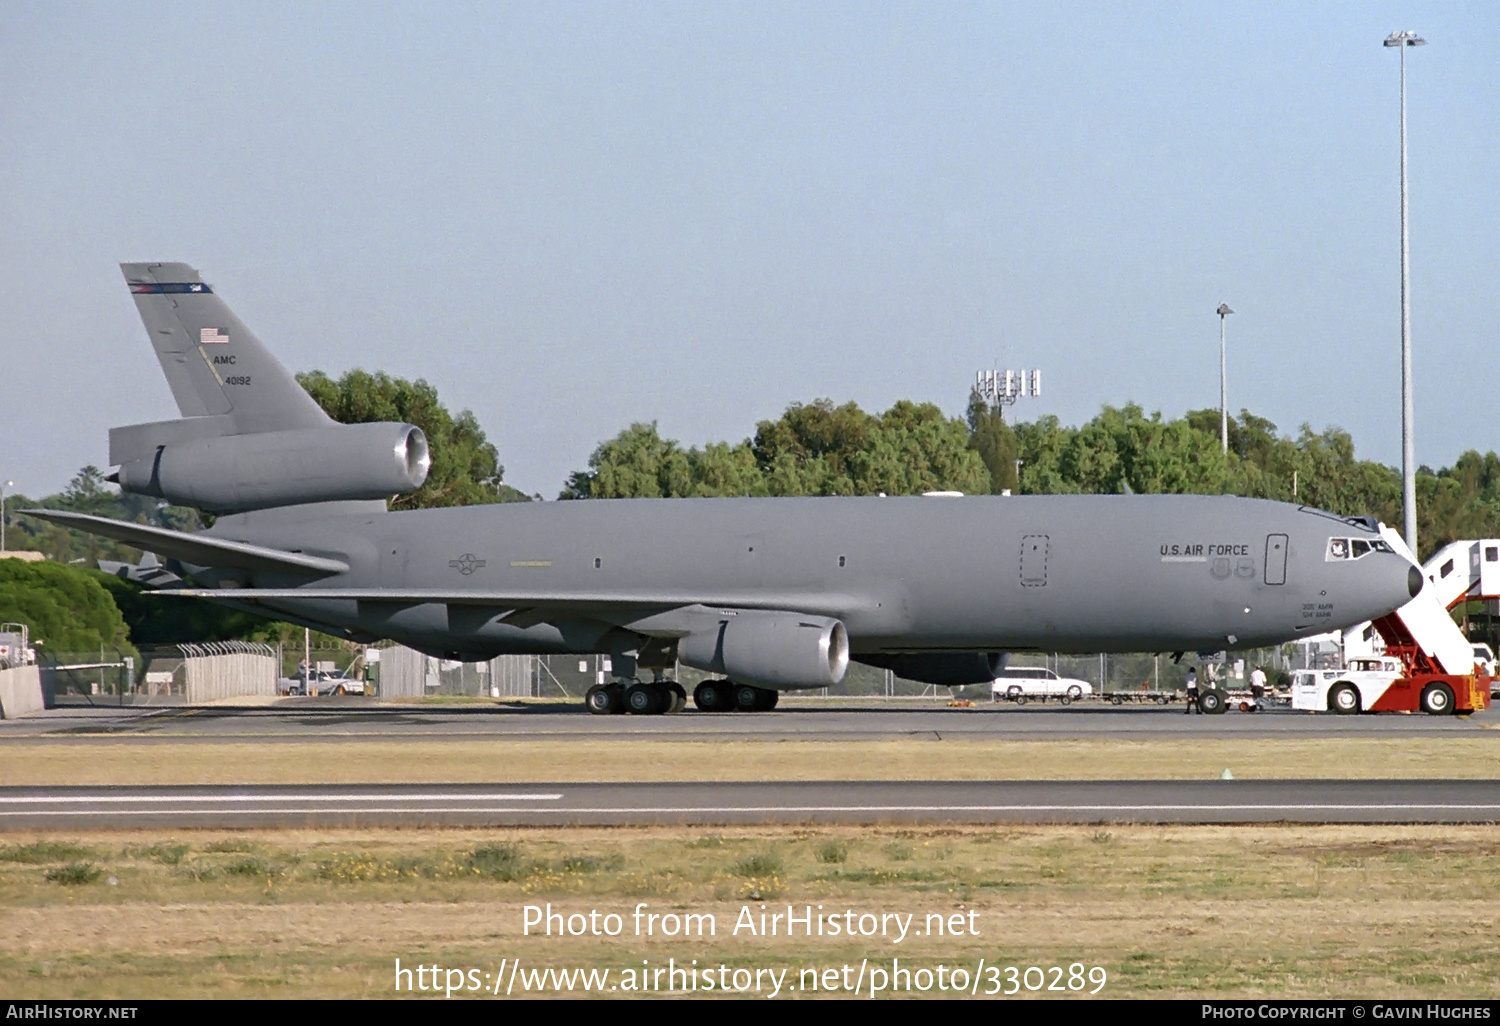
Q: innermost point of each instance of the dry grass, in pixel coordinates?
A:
(502, 761)
(1168, 911)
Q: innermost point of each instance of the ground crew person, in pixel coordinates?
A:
(1192, 692)
(1258, 686)
(1258, 682)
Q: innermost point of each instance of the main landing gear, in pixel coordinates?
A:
(639, 698)
(727, 696)
(660, 697)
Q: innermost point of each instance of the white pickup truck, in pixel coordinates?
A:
(1353, 689)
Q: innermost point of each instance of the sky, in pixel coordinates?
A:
(570, 217)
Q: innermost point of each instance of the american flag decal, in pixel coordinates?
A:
(210, 335)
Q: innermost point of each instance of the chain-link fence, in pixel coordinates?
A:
(97, 677)
(227, 669)
(401, 672)
(204, 672)
(189, 674)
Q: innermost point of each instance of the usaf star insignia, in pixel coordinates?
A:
(466, 564)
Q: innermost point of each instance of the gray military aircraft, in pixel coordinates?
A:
(770, 594)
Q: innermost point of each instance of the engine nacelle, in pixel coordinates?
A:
(235, 473)
(945, 669)
(771, 649)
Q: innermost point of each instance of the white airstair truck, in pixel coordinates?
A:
(1428, 665)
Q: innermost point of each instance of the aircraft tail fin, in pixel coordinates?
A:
(215, 366)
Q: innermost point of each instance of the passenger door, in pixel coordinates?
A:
(1275, 559)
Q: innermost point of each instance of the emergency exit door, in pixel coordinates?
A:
(1034, 561)
(1275, 559)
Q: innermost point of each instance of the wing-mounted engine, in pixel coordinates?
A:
(771, 649)
(241, 472)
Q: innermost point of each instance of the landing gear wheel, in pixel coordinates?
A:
(747, 698)
(643, 699)
(714, 696)
(679, 697)
(665, 701)
(1437, 700)
(1211, 702)
(1344, 699)
(601, 700)
(772, 697)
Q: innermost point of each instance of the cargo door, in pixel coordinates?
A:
(1275, 559)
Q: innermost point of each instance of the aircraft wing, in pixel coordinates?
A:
(198, 549)
(660, 614)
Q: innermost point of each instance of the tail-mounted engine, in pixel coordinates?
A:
(239, 472)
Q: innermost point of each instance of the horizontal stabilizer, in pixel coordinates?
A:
(198, 549)
(140, 441)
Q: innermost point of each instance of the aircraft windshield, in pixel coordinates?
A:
(1354, 548)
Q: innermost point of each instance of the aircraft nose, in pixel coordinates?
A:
(1393, 581)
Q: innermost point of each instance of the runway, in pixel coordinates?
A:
(643, 804)
(352, 720)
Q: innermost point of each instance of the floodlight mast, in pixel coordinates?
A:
(1402, 40)
(1223, 311)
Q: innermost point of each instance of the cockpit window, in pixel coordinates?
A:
(1354, 548)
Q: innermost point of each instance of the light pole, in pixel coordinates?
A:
(1223, 311)
(1408, 445)
(8, 484)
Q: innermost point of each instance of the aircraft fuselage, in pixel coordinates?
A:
(913, 574)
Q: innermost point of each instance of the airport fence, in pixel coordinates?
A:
(227, 669)
(404, 673)
(87, 677)
(401, 672)
(167, 674)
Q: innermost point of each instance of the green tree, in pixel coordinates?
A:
(90, 493)
(160, 619)
(466, 467)
(812, 449)
(67, 608)
(994, 441)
